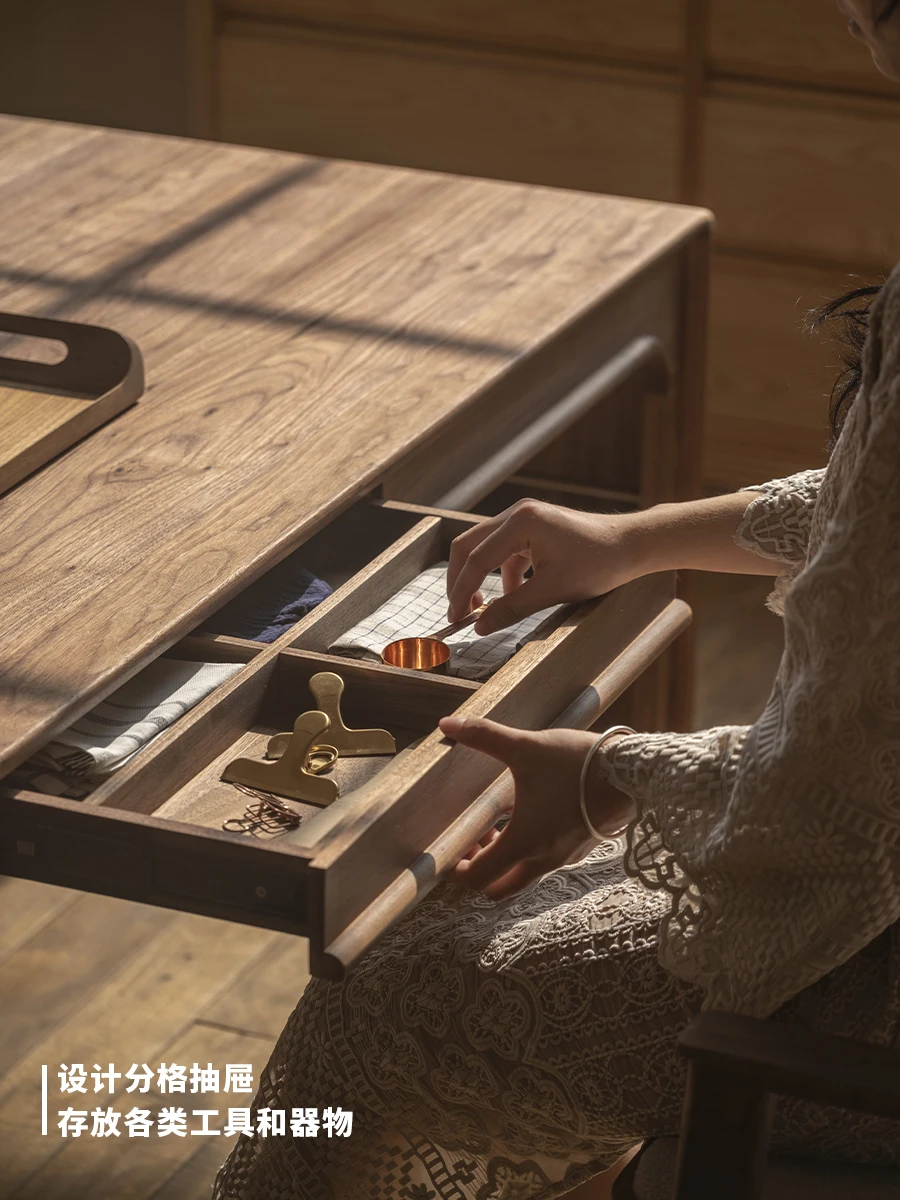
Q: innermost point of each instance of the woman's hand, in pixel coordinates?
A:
(546, 828)
(575, 556)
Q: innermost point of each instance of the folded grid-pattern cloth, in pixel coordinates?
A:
(108, 736)
(272, 605)
(420, 608)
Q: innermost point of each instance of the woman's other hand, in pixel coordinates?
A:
(574, 555)
(546, 828)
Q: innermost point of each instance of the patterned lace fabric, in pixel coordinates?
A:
(779, 844)
(776, 525)
(498, 1050)
(508, 1051)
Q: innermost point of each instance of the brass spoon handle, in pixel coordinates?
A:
(457, 625)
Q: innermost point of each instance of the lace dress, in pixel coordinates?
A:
(499, 1050)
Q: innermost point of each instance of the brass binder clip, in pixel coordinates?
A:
(291, 775)
(326, 688)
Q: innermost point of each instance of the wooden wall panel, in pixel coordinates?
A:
(101, 62)
(769, 380)
(804, 176)
(479, 114)
(741, 451)
(794, 41)
(651, 31)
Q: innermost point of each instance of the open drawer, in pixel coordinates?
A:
(153, 831)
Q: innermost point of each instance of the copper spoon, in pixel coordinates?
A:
(429, 653)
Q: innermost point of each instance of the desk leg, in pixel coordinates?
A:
(688, 412)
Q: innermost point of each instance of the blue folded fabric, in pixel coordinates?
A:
(269, 607)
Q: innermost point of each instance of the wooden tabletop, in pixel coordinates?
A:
(304, 324)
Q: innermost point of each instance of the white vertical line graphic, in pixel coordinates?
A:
(44, 1100)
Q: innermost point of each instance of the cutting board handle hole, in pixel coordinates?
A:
(50, 351)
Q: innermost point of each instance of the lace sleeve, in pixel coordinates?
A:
(776, 525)
(681, 774)
(780, 843)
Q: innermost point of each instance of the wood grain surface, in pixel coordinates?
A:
(26, 417)
(304, 324)
(47, 403)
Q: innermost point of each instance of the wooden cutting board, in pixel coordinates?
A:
(45, 406)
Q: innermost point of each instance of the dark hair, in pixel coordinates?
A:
(848, 315)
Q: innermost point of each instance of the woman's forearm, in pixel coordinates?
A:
(696, 535)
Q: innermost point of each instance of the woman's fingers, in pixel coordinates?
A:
(514, 570)
(488, 864)
(489, 737)
(497, 875)
(483, 841)
(460, 549)
(479, 559)
(530, 597)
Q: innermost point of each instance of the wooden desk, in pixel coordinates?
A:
(328, 347)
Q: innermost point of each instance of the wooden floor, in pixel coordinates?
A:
(89, 980)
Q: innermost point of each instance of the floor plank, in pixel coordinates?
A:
(194, 1180)
(738, 647)
(64, 965)
(23, 1150)
(140, 1010)
(25, 907)
(261, 1000)
(131, 1168)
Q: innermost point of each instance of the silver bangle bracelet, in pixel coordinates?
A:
(582, 786)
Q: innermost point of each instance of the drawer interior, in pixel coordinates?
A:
(39, 773)
(425, 546)
(405, 703)
(154, 831)
(360, 553)
(336, 554)
(428, 543)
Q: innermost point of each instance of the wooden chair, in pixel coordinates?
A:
(738, 1068)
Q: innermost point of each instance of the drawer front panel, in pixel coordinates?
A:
(151, 861)
(461, 112)
(815, 179)
(652, 30)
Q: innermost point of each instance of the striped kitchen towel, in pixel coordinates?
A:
(120, 726)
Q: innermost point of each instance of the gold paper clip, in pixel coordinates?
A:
(267, 814)
(321, 758)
